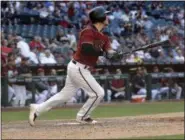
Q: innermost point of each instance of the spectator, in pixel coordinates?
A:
(36, 43)
(162, 57)
(170, 85)
(154, 52)
(139, 24)
(130, 58)
(43, 12)
(156, 71)
(11, 73)
(155, 84)
(18, 59)
(53, 84)
(80, 96)
(34, 56)
(147, 56)
(42, 88)
(60, 58)
(7, 64)
(53, 72)
(11, 95)
(179, 56)
(19, 87)
(125, 17)
(105, 84)
(46, 42)
(52, 44)
(13, 46)
(163, 36)
(23, 46)
(71, 11)
(114, 43)
(101, 60)
(61, 38)
(137, 58)
(69, 56)
(133, 13)
(176, 89)
(117, 13)
(11, 67)
(147, 23)
(47, 58)
(138, 82)
(140, 39)
(118, 87)
(4, 48)
(72, 40)
(140, 54)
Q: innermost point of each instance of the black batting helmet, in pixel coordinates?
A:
(98, 14)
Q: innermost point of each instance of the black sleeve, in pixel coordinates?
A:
(89, 49)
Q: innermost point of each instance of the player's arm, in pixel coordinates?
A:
(87, 45)
(89, 49)
(110, 53)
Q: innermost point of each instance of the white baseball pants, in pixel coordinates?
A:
(42, 96)
(11, 93)
(20, 95)
(77, 77)
(177, 89)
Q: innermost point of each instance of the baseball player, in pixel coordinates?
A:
(92, 44)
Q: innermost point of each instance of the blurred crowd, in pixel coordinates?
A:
(132, 24)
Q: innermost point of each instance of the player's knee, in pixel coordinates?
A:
(101, 93)
(179, 89)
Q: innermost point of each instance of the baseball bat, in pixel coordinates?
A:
(152, 45)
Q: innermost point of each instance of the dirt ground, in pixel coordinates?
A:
(120, 127)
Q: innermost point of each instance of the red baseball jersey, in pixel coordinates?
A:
(91, 35)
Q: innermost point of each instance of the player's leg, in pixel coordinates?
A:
(11, 94)
(155, 95)
(63, 96)
(109, 95)
(95, 92)
(17, 94)
(22, 95)
(43, 96)
(142, 91)
(164, 91)
(178, 90)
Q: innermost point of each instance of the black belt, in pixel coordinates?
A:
(75, 62)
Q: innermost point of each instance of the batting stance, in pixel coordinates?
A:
(92, 44)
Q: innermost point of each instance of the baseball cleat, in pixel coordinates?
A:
(86, 121)
(32, 115)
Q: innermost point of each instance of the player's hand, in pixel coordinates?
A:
(114, 55)
(118, 56)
